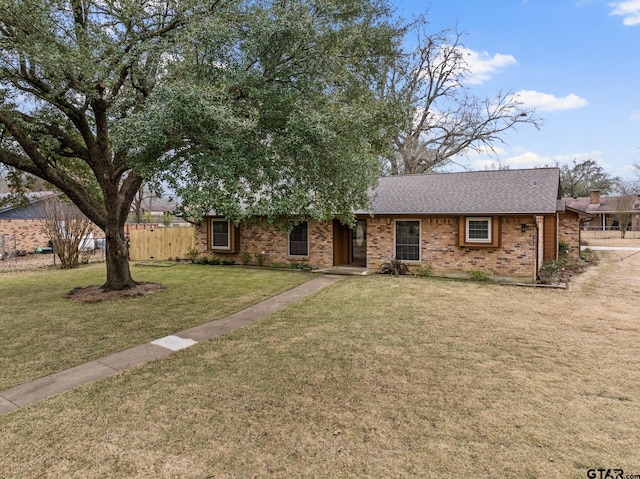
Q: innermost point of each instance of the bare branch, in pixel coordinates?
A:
(443, 118)
(67, 229)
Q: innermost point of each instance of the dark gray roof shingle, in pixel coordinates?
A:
(532, 191)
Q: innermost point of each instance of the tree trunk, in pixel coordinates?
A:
(117, 258)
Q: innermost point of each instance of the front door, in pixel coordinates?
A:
(359, 243)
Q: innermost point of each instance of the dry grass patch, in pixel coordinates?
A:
(41, 332)
(372, 377)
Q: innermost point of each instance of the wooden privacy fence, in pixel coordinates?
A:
(161, 243)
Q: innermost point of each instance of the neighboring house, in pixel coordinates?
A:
(501, 223)
(154, 210)
(21, 225)
(604, 210)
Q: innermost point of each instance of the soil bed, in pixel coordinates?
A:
(95, 294)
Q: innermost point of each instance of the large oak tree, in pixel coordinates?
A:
(246, 107)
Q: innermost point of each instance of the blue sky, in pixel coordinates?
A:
(576, 61)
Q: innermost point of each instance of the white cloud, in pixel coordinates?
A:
(549, 102)
(635, 115)
(528, 159)
(518, 157)
(485, 165)
(482, 65)
(629, 9)
(594, 155)
(514, 158)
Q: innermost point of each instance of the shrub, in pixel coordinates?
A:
(191, 254)
(394, 266)
(553, 272)
(425, 271)
(477, 275)
(260, 258)
(301, 265)
(228, 262)
(245, 257)
(208, 260)
(550, 272)
(563, 248)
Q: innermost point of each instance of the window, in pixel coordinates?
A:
(220, 234)
(478, 230)
(408, 240)
(299, 240)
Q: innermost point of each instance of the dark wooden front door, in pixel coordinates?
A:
(350, 244)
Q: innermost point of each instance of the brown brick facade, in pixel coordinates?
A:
(27, 233)
(255, 239)
(569, 231)
(514, 259)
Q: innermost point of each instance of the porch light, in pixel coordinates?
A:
(523, 227)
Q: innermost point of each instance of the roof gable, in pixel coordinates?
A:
(532, 191)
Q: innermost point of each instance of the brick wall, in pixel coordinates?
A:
(27, 233)
(569, 231)
(255, 238)
(516, 258)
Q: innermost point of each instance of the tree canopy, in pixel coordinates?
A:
(278, 116)
(578, 178)
(243, 107)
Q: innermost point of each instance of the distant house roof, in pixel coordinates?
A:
(605, 204)
(532, 191)
(31, 209)
(157, 205)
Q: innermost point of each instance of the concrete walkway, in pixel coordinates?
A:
(610, 248)
(28, 393)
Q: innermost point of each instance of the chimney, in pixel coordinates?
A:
(594, 197)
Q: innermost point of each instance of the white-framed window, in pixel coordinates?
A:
(407, 240)
(299, 240)
(220, 234)
(478, 229)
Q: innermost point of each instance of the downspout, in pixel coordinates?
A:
(536, 236)
(557, 254)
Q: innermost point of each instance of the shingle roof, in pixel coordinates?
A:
(607, 204)
(532, 191)
(26, 210)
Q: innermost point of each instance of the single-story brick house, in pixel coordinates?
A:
(22, 224)
(604, 210)
(501, 223)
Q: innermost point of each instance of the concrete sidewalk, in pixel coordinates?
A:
(28, 393)
(610, 248)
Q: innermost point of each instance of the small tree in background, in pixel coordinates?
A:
(623, 204)
(624, 211)
(67, 228)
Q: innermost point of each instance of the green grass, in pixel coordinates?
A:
(372, 377)
(41, 332)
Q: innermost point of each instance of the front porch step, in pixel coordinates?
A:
(345, 270)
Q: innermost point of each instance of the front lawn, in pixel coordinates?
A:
(372, 377)
(41, 332)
